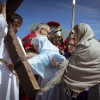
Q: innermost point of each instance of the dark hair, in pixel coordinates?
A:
(16, 17)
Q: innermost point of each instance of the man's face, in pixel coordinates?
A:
(45, 31)
(16, 25)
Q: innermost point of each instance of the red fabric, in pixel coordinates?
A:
(26, 98)
(53, 23)
(22, 95)
(66, 40)
(61, 46)
(32, 34)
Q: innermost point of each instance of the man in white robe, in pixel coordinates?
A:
(9, 84)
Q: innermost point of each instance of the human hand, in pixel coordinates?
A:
(53, 62)
(3, 11)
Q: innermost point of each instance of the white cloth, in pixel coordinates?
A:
(9, 85)
(40, 63)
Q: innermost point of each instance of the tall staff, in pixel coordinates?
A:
(73, 12)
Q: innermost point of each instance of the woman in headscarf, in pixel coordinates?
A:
(71, 47)
(40, 63)
(82, 70)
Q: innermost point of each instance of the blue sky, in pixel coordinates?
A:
(37, 11)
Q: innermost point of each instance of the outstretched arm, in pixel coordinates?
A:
(3, 23)
(3, 11)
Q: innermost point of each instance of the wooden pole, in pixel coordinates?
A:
(73, 14)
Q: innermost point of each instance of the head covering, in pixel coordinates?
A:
(82, 70)
(53, 23)
(40, 63)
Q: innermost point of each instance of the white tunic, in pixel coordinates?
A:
(9, 85)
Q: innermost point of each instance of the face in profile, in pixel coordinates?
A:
(45, 31)
(16, 25)
(71, 46)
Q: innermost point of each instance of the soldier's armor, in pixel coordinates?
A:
(56, 36)
(27, 41)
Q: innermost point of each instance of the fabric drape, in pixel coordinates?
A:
(83, 69)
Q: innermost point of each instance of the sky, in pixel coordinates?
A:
(37, 11)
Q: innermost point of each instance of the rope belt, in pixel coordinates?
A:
(10, 66)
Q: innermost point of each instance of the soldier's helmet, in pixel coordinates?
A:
(55, 30)
(56, 33)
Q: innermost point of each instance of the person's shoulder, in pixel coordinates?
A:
(32, 34)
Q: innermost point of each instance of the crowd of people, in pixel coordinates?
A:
(64, 69)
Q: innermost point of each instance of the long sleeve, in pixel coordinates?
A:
(3, 27)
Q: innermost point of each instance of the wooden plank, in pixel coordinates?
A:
(21, 65)
(12, 6)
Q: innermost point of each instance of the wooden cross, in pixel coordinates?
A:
(21, 65)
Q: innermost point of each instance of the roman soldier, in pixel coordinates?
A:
(56, 36)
